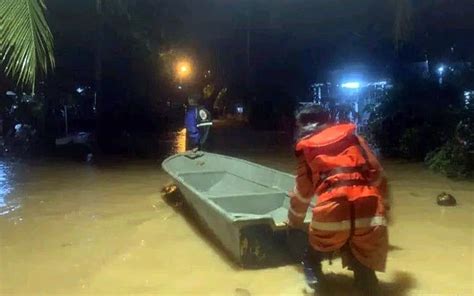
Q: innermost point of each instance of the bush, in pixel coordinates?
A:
(411, 143)
(452, 159)
(415, 117)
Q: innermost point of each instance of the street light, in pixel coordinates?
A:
(183, 69)
(441, 70)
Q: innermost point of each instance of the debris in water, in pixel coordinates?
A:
(172, 196)
(168, 189)
(242, 292)
(445, 199)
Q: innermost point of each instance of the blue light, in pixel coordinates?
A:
(441, 70)
(351, 85)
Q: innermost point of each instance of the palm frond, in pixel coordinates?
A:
(26, 42)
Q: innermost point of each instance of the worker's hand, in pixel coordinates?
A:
(291, 194)
(290, 225)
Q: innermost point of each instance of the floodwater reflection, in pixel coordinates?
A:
(6, 205)
(180, 141)
(171, 143)
(106, 230)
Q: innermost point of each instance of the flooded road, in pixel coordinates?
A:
(68, 228)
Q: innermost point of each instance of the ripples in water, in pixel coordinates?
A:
(6, 205)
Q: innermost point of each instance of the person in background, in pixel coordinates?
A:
(198, 122)
(336, 165)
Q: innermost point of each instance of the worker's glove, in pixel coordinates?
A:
(290, 226)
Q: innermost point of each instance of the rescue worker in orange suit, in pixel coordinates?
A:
(337, 166)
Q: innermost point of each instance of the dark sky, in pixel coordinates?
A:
(297, 39)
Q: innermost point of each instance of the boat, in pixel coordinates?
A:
(244, 205)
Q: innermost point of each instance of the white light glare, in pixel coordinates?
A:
(351, 85)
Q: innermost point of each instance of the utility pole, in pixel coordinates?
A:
(98, 58)
(66, 126)
(248, 38)
(248, 47)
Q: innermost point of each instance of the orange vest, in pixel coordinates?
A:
(339, 165)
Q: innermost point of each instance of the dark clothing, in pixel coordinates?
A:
(198, 122)
(193, 135)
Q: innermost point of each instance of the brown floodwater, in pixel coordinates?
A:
(68, 228)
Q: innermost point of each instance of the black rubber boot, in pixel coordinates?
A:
(365, 279)
(313, 270)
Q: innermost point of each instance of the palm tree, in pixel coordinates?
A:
(26, 42)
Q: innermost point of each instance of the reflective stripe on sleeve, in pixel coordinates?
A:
(204, 124)
(297, 214)
(300, 198)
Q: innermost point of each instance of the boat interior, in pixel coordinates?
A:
(239, 196)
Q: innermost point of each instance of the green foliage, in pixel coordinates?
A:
(415, 118)
(421, 119)
(452, 159)
(411, 143)
(26, 42)
(220, 99)
(208, 91)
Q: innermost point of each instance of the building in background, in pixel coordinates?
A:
(350, 90)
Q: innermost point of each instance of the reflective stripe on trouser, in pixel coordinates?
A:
(332, 226)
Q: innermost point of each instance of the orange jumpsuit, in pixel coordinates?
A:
(338, 167)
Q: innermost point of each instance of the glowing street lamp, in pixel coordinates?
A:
(183, 69)
(441, 70)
